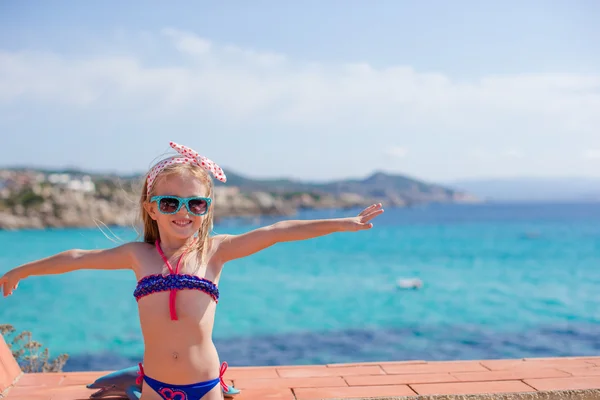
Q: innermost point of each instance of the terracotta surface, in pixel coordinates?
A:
(362, 380)
(9, 369)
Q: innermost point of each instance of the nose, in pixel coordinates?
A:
(183, 210)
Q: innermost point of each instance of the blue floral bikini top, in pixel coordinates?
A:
(173, 282)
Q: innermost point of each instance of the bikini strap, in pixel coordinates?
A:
(173, 291)
(162, 254)
(140, 374)
(221, 373)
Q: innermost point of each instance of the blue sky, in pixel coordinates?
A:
(313, 90)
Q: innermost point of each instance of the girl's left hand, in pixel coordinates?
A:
(364, 218)
(9, 282)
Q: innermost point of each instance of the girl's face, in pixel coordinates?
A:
(181, 224)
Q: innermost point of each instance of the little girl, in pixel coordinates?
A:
(178, 267)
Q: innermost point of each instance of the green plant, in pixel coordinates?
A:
(29, 353)
(26, 197)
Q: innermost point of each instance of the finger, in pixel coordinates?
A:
(371, 215)
(376, 210)
(368, 209)
(7, 289)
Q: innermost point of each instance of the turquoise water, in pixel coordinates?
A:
(499, 281)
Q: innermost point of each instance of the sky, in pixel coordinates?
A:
(312, 90)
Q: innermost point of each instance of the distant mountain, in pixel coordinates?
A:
(403, 188)
(378, 185)
(533, 189)
(393, 188)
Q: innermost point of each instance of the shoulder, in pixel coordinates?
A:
(134, 251)
(216, 240)
(135, 247)
(216, 245)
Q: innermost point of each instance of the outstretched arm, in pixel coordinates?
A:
(116, 258)
(238, 246)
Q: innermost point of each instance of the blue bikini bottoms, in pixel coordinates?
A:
(194, 391)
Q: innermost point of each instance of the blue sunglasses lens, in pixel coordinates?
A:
(168, 205)
(198, 206)
(171, 205)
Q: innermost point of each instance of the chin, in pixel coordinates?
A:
(182, 235)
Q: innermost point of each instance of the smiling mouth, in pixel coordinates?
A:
(182, 222)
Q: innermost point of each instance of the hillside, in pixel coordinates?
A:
(379, 185)
(34, 198)
(397, 188)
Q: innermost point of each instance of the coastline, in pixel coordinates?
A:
(69, 209)
(37, 200)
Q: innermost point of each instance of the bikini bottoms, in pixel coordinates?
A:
(194, 391)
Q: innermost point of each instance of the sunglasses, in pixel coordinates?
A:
(197, 206)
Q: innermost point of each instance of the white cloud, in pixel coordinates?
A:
(591, 154)
(483, 154)
(187, 42)
(479, 154)
(513, 153)
(267, 93)
(243, 82)
(396, 151)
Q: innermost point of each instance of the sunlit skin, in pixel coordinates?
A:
(182, 351)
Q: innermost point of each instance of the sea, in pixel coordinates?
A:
(498, 281)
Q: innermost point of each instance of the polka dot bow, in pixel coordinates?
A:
(188, 156)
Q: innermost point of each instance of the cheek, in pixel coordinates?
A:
(157, 215)
(198, 221)
(151, 211)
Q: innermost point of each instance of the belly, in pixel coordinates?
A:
(182, 365)
(180, 351)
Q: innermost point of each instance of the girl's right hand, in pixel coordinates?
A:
(9, 282)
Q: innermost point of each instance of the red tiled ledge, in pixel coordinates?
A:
(574, 378)
(10, 371)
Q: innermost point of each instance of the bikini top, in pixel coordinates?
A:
(173, 282)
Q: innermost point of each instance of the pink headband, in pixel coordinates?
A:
(190, 157)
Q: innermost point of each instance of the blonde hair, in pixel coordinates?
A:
(150, 226)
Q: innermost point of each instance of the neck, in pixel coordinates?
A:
(171, 246)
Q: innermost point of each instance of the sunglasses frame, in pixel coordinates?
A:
(182, 201)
